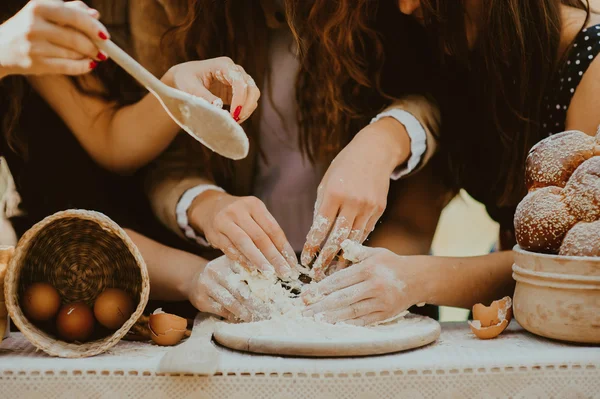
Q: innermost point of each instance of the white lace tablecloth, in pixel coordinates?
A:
(458, 365)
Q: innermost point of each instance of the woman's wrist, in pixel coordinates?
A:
(429, 281)
(390, 141)
(202, 205)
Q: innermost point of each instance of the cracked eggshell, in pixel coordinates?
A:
(490, 321)
(487, 332)
(493, 314)
(167, 329)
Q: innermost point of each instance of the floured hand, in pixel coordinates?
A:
(246, 232)
(378, 287)
(219, 81)
(351, 197)
(218, 289)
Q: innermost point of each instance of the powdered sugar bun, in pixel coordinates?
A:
(552, 161)
(582, 240)
(542, 220)
(582, 192)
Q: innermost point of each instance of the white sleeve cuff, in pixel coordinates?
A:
(418, 139)
(182, 211)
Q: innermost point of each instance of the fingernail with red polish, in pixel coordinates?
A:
(93, 64)
(102, 35)
(101, 56)
(236, 113)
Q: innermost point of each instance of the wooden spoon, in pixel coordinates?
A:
(210, 125)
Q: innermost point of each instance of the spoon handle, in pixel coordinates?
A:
(126, 62)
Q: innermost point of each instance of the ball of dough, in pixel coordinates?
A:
(553, 160)
(582, 240)
(542, 220)
(582, 193)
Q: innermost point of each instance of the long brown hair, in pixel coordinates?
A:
(342, 58)
(489, 129)
(490, 97)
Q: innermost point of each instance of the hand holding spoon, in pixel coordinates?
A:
(210, 125)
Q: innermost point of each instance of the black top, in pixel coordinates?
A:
(585, 49)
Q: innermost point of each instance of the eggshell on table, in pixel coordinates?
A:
(493, 314)
(490, 321)
(167, 329)
(487, 332)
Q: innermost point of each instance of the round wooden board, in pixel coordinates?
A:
(411, 332)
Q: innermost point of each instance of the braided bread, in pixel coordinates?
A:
(560, 213)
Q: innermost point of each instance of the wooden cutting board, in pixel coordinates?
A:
(308, 338)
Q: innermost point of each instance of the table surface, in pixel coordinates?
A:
(516, 364)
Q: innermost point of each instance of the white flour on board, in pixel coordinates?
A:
(285, 311)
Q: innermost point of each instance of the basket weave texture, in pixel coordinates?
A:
(6, 252)
(80, 253)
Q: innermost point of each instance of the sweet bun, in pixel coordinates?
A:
(542, 220)
(561, 210)
(582, 192)
(552, 161)
(582, 240)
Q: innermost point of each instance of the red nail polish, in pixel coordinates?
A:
(236, 113)
(93, 64)
(102, 35)
(101, 57)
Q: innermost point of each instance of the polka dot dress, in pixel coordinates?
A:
(585, 48)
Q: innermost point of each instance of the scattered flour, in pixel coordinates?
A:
(285, 317)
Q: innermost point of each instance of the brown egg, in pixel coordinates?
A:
(40, 302)
(167, 329)
(113, 308)
(489, 321)
(75, 322)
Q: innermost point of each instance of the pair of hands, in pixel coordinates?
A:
(52, 37)
(379, 286)
(351, 198)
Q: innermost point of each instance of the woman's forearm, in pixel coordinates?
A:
(464, 281)
(137, 134)
(171, 270)
(121, 140)
(400, 240)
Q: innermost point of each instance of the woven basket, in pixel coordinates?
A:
(80, 253)
(6, 253)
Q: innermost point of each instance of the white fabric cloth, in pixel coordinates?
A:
(418, 139)
(516, 364)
